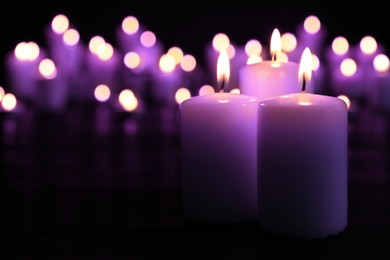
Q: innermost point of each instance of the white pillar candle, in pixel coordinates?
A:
(218, 133)
(302, 165)
(270, 78)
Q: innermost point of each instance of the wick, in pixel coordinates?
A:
(304, 84)
(222, 85)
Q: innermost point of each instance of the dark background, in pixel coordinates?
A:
(192, 24)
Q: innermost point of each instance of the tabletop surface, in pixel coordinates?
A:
(89, 182)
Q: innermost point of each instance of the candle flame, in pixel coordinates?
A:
(223, 69)
(276, 44)
(305, 68)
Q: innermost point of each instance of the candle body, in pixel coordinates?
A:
(269, 79)
(218, 133)
(302, 165)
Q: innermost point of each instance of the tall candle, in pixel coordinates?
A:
(302, 164)
(218, 133)
(270, 78)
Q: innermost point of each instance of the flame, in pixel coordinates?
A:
(223, 67)
(305, 67)
(276, 42)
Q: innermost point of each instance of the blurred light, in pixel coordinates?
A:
(102, 93)
(315, 62)
(71, 37)
(220, 42)
(348, 67)
(9, 102)
(176, 53)
(368, 45)
(312, 24)
(254, 59)
(148, 39)
(231, 51)
(381, 63)
(132, 60)
(289, 42)
(188, 63)
(340, 45)
(182, 94)
(235, 91)
(345, 99)
(105, 51)
(60, 23)
(47, 68)
(27, 51)
(167, 63)
(2, 92)
(95, 43)
(282, 56)
(205, 90)
(130, 25)
(128, 100)
(253, 47)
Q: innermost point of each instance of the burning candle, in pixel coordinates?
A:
(270, 78)
(302, 175)
(218, 133)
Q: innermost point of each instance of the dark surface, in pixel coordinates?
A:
(91, 183)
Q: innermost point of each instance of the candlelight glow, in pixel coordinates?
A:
(312, 24)
(102, 93)
(368, 45)
(71, 37)
(231, 51)
(340, 45)
(9, 102)
(315, 62)
(348, 67)
(27, 51)
(223, 68)
(254, 59)
(105, 51)
(128, 100)
(221, 42)
(305, 68)
(282, 57)
(205, 90)
(253, 47)
(148, 39)
(132, 60)
(47, 68)
(95, 43)
(276, 43)
(381, 64)
(182, 94)
(176, 53)
(167, 63)
(60, 23)
(2, 92)
(188, 63)
(345, 99)
(289, 42)
(130, 25)
(235, 91)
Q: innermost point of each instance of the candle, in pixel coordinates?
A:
(302, 163)
(270, 78)
(218, 133)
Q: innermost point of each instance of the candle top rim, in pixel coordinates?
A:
(222, 98)
(304, 100)
(268, 64)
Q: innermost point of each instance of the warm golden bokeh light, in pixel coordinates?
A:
(102, 93)
(345, 99)
(312, 24)
(130, 25)
(71, 37)
(221, 42)
(60, 23)
(188, 63)
(2, 93)
(176, 53)
(27, 51)
(253, 47)
(235, 91)
(128, 100)
(132, 60)
(105, 51)
(205, 90)
(95, 42)
(289, 42)
(348, 67)
(315, 62)
(231, 51)
(167, 63)
(381, 63)
(148, 39)
(254, 59)
(368, 45)
(9, 102)
(340, 45)
(182, 94)
(47, 68)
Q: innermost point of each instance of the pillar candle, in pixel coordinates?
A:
(270, 78)
(218, 133)
(302, 164)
